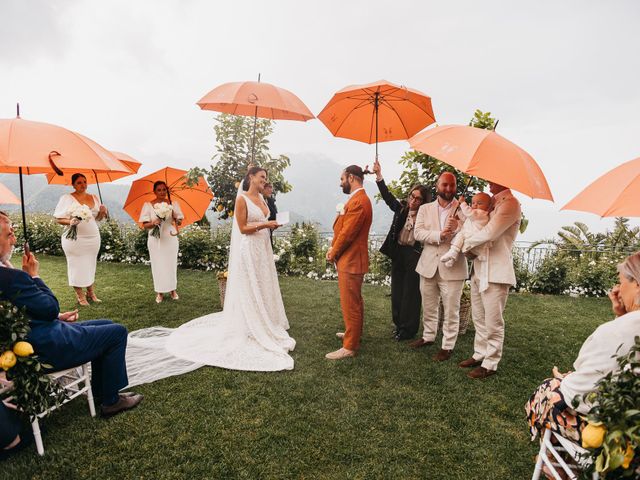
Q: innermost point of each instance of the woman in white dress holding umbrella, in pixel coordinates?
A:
(80, 211)
(158, 217)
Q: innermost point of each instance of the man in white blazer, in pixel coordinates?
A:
(435, 227)
(488, 305)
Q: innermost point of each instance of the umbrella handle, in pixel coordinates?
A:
(53, 165)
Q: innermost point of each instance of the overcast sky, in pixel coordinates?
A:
(563, 77)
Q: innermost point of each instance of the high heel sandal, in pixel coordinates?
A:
(175, 296)
(159, 298)
(92, 296)
(82, 299)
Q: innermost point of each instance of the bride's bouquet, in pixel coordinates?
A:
(81, 213)
(163, 211)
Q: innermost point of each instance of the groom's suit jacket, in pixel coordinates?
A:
(350, 243)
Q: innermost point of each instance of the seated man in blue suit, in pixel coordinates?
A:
(56, 339)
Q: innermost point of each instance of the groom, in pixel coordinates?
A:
(350, 252)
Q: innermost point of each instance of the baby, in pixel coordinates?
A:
(477, 216)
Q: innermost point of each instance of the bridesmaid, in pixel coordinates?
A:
(163, 251)
(81, 253)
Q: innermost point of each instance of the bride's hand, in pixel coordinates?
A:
(272, 224)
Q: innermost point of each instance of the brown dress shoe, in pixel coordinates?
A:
(470, 363)
(421, 342)
(124, 403)
(442, 355)
(480, 373)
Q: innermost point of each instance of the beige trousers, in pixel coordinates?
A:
(431, 290)
(486, 310)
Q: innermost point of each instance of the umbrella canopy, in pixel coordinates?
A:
(7, 196)
(126, 166)
(256, 99)
(485, 154)
(614, 194)
(194, 200)
(33, 146)
(377, 112)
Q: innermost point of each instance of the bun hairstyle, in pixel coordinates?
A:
(356, 171)
(76, 176)
(247, 179)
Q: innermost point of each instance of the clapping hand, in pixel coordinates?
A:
(616, 301)
(69, 316)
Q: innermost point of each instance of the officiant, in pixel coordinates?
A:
(404, 251)
(267, 193)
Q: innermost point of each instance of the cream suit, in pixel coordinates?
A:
(488, 306)
(436, 279)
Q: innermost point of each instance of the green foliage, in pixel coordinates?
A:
(33, 391)
(234, 145)
(420, 168)
(44, 233)
(593, 275)
(113, 245)
(551, 276)
(616, 405)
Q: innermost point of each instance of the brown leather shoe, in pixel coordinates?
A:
(480, 373)
(442, 355)
(470, 363)
(421, 342)
(124, 403)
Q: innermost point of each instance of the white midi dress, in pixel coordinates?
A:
(163, 251)
(81, 253)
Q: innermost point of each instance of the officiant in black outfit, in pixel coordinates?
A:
(267, 193)
(404, 251)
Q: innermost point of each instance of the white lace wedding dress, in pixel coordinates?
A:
(249, 334)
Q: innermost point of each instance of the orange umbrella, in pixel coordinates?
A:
(194, 200)
(377, 112)
(7, 196)
(126, 166)
(34, 147)
(255, 99)
(485, 154)
(614, 194)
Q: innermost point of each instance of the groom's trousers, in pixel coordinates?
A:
(352, 305)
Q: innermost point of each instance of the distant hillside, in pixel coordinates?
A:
(316, 192)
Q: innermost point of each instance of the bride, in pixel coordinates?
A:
(251, 331)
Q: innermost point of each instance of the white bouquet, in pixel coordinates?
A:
(163, 211)
(82, 213)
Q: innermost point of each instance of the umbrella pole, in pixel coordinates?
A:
(377, 100)
(24, 216)
(99, 192)
(253, 141)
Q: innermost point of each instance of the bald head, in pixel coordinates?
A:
(446, 187)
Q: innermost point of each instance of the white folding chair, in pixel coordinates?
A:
(557, 464)
(76, 381)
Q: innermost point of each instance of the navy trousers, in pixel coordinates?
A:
(101, 342)
(10, 426)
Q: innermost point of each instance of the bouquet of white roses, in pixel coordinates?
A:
(163, 211)
(82, 213)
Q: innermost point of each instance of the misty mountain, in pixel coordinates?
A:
(315, 194)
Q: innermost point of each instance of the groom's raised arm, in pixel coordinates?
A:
(352, 223)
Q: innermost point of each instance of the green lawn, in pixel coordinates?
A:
(389, 413)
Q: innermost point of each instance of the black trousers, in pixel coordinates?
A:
(10, 426)
(405, 291)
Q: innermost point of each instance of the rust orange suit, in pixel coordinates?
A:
(350, 248)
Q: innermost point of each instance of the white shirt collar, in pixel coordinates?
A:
(355, 191)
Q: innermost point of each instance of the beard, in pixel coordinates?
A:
(346, 189)
(7, 256)
(446, 196)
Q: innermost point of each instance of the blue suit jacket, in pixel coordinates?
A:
(50, 337)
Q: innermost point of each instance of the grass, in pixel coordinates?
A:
(390, 413)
